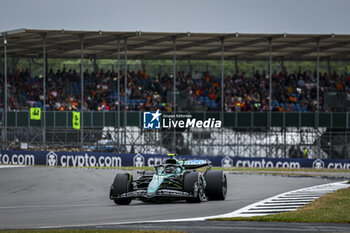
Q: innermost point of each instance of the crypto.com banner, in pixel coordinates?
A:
(100, 159)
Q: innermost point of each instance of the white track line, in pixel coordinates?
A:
(11, 166)
(51, 206)
(319, 190)
(281, 200)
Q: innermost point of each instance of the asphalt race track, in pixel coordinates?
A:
(236, 227)
(34, 197)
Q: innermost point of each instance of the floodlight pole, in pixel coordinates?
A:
(222, 79)
(5, 99)
(236, 65)
(270, 81)
(125, 85)
(44, 90)
(118, 87)
(174, 55)
(222, 89)
(142, 63)
(189, 65)
(329, 66)
(174, 79)
(318, 97)
(82, 93)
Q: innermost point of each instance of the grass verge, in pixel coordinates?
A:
(288, 171)
(330, 208)
(268, 171)
(88, 231)
(246, 169)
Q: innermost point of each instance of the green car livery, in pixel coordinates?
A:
(170, 181)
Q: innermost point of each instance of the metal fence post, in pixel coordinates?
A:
(28, 113)
(174, 84)
(118, 89)
(16, 117)
(103, 118)
(285, 134)
(125, 85)
(82, 93)
(222, 90)
(5, 99)
(318, 99)
(270, 81)
(92, 119)
(44, 91)
(346, 135)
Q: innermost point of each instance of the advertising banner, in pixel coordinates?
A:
(101, 159)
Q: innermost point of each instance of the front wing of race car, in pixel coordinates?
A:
(159, 194)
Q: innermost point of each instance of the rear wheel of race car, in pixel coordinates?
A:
(216, 188)
(193, 184)
(122, 184)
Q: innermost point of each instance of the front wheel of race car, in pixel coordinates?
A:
(121, 184)
(193, 184)
(216, 188)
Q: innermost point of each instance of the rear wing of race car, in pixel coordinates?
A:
(193, 163)
(196, 163)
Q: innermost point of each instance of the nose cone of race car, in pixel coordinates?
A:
(154, 184)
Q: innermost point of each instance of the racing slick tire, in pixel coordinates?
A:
(216, 188)
(193, 184)
(122, 184)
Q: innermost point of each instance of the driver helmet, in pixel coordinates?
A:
(169, 169)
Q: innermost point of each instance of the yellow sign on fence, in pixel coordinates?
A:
(76, 120)
(35, 114)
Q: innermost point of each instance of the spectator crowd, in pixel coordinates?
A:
(291, 92)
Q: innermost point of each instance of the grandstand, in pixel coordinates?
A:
(125, 91)
(295, 92)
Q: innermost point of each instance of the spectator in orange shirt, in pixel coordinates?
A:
(144, 75)
(293, 99)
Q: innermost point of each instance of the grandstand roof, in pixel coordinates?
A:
(159, 45)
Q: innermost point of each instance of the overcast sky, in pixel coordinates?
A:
(225, 16)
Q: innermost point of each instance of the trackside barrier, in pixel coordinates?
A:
(101, 159)
(237, 120)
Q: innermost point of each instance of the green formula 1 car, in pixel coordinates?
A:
(172, 180)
